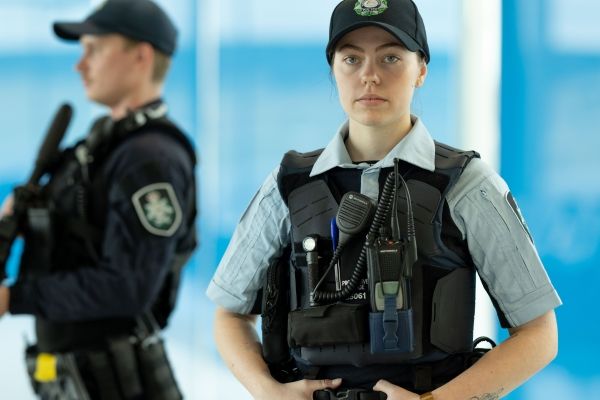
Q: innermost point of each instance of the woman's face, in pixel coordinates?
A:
(376, 77)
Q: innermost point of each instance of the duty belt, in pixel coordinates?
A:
(348, 394)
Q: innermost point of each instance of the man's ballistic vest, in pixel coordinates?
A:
(438, 317)
(68, 229)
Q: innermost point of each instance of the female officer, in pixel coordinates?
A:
(409, 337)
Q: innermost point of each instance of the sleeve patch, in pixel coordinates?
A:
(157, 208)
(515, 208)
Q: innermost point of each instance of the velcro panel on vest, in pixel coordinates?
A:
(452, 321)
(425, 200)
(294, 171)
(309, 206)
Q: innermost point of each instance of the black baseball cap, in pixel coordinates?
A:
(401, 18)
(140, 20)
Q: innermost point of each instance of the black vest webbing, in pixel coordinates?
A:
(443, 282)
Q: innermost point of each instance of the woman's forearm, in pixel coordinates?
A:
(529, 348)
(241, 350)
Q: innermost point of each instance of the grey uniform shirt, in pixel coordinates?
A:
(498, 240)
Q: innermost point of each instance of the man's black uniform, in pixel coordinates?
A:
(122, 207)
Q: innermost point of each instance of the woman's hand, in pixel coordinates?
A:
(394, 392)
(300, 390)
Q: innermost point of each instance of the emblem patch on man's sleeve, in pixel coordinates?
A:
(157, 208)
(513, 206)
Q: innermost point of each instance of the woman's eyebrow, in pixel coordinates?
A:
(388, 45)
(384, 46)
(349, 46)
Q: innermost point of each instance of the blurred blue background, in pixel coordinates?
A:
(250, 81)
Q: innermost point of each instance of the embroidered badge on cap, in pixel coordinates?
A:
(513, 205)
(369, 8)
(157, 208)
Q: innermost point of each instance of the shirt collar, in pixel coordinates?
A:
(416, 148)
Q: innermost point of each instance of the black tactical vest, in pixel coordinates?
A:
(439, 320)
(68, 231)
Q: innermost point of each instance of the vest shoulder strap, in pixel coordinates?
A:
(160, 125)
(294, 170)
(295, 161)
(106, 134)
(448, 157)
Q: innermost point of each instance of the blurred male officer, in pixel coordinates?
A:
(121, 203)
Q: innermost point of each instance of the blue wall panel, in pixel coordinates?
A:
(550, 118)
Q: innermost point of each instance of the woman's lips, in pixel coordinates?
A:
(371, 99)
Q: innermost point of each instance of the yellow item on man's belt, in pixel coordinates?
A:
(45, 367)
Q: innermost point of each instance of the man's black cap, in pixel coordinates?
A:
(137, 19)
(401, 18)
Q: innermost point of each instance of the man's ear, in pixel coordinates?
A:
(144, 58)
(145, 52)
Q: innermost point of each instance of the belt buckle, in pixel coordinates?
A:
(343, 395)
(349, 394)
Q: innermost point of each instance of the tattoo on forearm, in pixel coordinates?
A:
(488, 396)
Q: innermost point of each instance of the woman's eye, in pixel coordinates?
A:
(390, 59)
(350, 60)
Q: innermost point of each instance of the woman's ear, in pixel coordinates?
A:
(422, 73)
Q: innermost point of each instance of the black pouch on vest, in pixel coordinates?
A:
(156, 372)
(124, 360)
(327, 325)
(275, 308)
